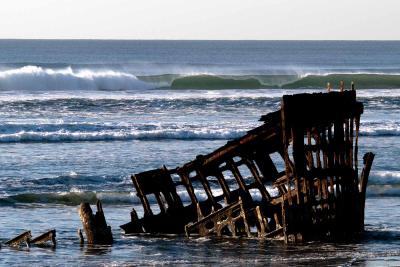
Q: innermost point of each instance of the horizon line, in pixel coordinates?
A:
(161, 39)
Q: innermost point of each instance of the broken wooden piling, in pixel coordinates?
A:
(95, 226)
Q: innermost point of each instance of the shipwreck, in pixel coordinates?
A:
(316, 192)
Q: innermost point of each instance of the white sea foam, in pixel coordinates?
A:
(31, 78)
(72, 174)
(63, 132)
(382, 128)
(303, 74)
(64, 136)
(72, 197)
(385, 177)
(140, 93)
(384, 183)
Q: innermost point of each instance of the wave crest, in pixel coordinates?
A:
(281, 81)
(71, 198)
(75, 133)
(38, 78)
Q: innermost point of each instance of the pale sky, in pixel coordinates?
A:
(201, 19)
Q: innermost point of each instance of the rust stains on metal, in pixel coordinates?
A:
(23, 238)
(49, 236)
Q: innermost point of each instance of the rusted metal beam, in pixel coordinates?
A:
(24, 237)
(45, 237)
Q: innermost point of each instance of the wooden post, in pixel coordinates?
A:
(368, 159)
(341, 86)
(81, 239)
(95, 226)
(328, 87)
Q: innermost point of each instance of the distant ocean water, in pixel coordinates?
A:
(78, 117)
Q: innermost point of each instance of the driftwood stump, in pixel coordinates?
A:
(95, 226)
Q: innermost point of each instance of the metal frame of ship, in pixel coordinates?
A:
(295, 177)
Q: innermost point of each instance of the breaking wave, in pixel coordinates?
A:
(306, 81)
(32, 77)
(47, 79)
(215, 82)
(65, 136)
(381, 128)
(81, 132)
(77, 196)
(71, 198)
(361, 80)
(384, 178)
(382, 184)
(87, 132)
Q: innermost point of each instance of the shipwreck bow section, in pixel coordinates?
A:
(295, 176)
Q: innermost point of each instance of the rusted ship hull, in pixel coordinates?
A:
(320, 193)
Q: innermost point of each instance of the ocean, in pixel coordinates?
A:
(78, 117)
